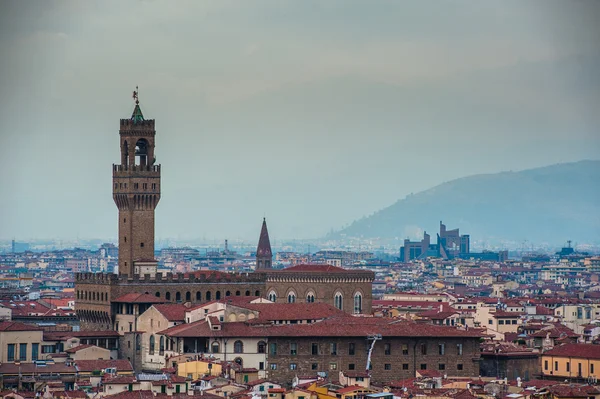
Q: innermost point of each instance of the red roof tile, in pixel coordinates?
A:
(584, 351)
(17, 326)
(92, 365)
(172, 312)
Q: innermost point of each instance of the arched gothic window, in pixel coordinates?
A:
(272, 296)
(338, 301)
(238, 347)
(310, 297)
(291, 297)
(357, 303)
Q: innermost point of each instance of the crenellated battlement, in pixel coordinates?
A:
(128, 124)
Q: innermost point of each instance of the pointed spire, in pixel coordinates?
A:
(264, 244)
(264, 255)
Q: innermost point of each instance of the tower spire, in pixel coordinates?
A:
(137, 115)
(264, 255)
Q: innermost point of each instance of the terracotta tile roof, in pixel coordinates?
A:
(319, 268)
(91, 365)
(78, 348)
(135, 297)
(172, 312)
(69, 394)
(573, 391)
(123, 379)
(352, 388)
(17, 326)
(294, 311)
(31, 368)
(132, 395)
(334, 326)
(584, 351)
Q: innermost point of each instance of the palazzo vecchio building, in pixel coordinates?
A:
(136, 186)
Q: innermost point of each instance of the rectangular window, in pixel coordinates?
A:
(351, 366)
(514, 322)
(35, 348)
(387, 366)
(23, 352)
(490, 321)
(459, 366)
(314, 366)
(388, 349)
(423, 349)
(423, 366)
(315, 349)
(442, 349)
(261, 365)
(10, 352)
(332, 366)
(592, 368)
(579, 369)
(273, 366)
(293, 366)
(546, 365)
(404, 366)
(351, 349)
(272, 348)
(459, 349)
(405, 349)
(261, 388)
(568, 367)
(441, 366)
(555, 366)
(293, 348)
(333, 348)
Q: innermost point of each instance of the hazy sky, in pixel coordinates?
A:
(311, 113)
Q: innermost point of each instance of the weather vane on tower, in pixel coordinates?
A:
(135, 95)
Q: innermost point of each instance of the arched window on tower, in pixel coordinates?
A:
(357, 303)
(161, 348)
(310, 297)
(272, 296)
(168, 296)
(218, 295)
(188, 296)
(208, 296)
(178, 296)
(291, 297)
(238, 347)
(141, 152)
(198, 296)
(338, 301)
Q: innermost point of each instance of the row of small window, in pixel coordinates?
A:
(92, 296)
(333, 349)
(352, 366)
(11, 351)
(207, 295)
(136, 186)
(503, 322)
(568, 367)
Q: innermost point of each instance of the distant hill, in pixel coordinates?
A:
(550, 204)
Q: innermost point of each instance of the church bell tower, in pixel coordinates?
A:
(136, 192)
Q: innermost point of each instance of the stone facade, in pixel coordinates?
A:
(94, 293)
(322, 283)
(400, 360)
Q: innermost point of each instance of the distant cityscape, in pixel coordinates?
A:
(139, 319)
